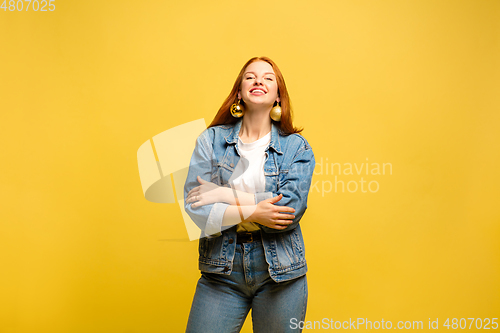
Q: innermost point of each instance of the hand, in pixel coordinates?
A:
(205, 194)
(272, 216)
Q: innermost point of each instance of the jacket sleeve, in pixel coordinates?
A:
(294, 184)
(208, 217)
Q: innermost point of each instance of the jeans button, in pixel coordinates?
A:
(225, 269)
(231, 241)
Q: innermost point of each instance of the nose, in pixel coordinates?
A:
(258, 81)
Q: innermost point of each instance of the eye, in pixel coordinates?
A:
(269, 78)
(249, 77)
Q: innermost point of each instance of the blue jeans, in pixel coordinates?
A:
(221, 302)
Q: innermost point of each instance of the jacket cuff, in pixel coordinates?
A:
(262, 196)
(214, 222)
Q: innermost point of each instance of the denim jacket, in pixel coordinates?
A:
(288, 170)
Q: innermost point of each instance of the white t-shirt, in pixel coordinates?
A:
(248, 175)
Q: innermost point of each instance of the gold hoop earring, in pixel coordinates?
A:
(275, 113)
(237, 110)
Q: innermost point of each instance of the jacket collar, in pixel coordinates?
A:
(232, 137)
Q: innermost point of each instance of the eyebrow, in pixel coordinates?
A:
(264, 73)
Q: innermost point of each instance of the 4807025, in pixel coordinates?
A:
(36, 5)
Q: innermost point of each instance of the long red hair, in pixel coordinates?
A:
(224, 116)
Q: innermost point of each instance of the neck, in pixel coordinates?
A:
(255, 125)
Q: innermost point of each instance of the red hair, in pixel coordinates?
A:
(224, 116)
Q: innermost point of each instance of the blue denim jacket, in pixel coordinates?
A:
(288, 170)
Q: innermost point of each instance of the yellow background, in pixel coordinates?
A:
(411, 83)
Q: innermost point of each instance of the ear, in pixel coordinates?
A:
(278, 99)
(239, 95)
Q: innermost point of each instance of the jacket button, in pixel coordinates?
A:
(231, 165)
(225, 269)
(231, 241)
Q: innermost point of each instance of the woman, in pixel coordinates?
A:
(247, 189)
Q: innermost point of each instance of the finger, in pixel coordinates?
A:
(276, 198)
(284, 209)
(193, 197)
(283, 222)
(286, 216)
(198, 203)
(194, 190)
(200, 180)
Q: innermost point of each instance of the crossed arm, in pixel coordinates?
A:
(264, 213)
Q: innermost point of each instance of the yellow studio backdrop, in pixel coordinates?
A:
(399, 100)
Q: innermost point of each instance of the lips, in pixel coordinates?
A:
(258, 91)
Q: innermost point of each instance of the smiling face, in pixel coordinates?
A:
(259, 84)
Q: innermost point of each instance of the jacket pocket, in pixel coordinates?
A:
(290, 249)
(297, 242)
